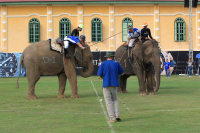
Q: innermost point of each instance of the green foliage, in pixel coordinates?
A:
(174, 109)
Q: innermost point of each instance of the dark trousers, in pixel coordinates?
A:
(199, 70)
(190, 70)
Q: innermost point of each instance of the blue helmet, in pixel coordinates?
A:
(82, 37)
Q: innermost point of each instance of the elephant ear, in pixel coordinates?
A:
(78, 53)
(138, 50)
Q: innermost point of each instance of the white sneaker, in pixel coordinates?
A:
(111, 121)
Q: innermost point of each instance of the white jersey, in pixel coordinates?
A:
(135, 34)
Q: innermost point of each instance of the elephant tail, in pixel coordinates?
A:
(19, 70)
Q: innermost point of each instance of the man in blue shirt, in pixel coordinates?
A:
(73, 40)
(166, 66)
(110, 70)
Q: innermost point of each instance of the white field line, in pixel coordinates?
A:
(104, 111)
(42, 81)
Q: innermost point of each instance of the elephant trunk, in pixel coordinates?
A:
(87, 71)
(157, 72)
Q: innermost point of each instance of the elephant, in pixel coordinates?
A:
(39, 60)
(144, 63)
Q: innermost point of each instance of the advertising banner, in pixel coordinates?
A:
(10, 63)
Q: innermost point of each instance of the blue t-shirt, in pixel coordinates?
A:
(72, 39)
(166, 65)
(109, 71)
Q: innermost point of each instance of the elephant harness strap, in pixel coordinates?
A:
(142, 65)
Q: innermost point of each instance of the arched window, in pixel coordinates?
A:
(64, 27)
(96, 29)
(125, 23)
(34, 30)
(179, 30)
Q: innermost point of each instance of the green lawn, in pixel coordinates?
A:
(174, 109)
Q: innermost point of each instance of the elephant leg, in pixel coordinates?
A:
(62, 83)
(70, 72)
(140, 76)
(154, 80)
(150, 79)
(120, 84)
(73, 85)
(33, 76)
(145, 80)
(124, 83)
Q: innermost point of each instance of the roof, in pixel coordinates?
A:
(90, 0)
(39, 2)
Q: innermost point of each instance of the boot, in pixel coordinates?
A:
(126, 47)
(66, 53)
(129, 53)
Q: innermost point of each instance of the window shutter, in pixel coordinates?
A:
(69, 28)
(184, 31)
(96, 30)
(39, 31)
(59, 29)
(64, 27)
(125, 22)
(175, 31)
(29, 32)
(34, 30)
(179, 30)
(101, 30)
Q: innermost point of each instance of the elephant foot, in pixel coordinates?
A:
(61, 96)
(155, 90)
(75, 96)
(125, 91)
(142, 93)
(151, 93)
(31, 97)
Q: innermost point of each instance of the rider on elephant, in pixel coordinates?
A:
(133, 34)
(145, 32)
(80, 41)
(76, 31)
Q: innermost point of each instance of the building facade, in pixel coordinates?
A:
(24, 22)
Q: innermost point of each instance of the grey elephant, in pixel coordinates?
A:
(39, 60)
(145, 64)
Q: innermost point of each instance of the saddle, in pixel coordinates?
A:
(59, 41)
(56, 45)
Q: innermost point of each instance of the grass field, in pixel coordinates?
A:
(174, 109)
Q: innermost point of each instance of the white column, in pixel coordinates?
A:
(3, 41)
(49, 22)
(156, 23)
(111, 28)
